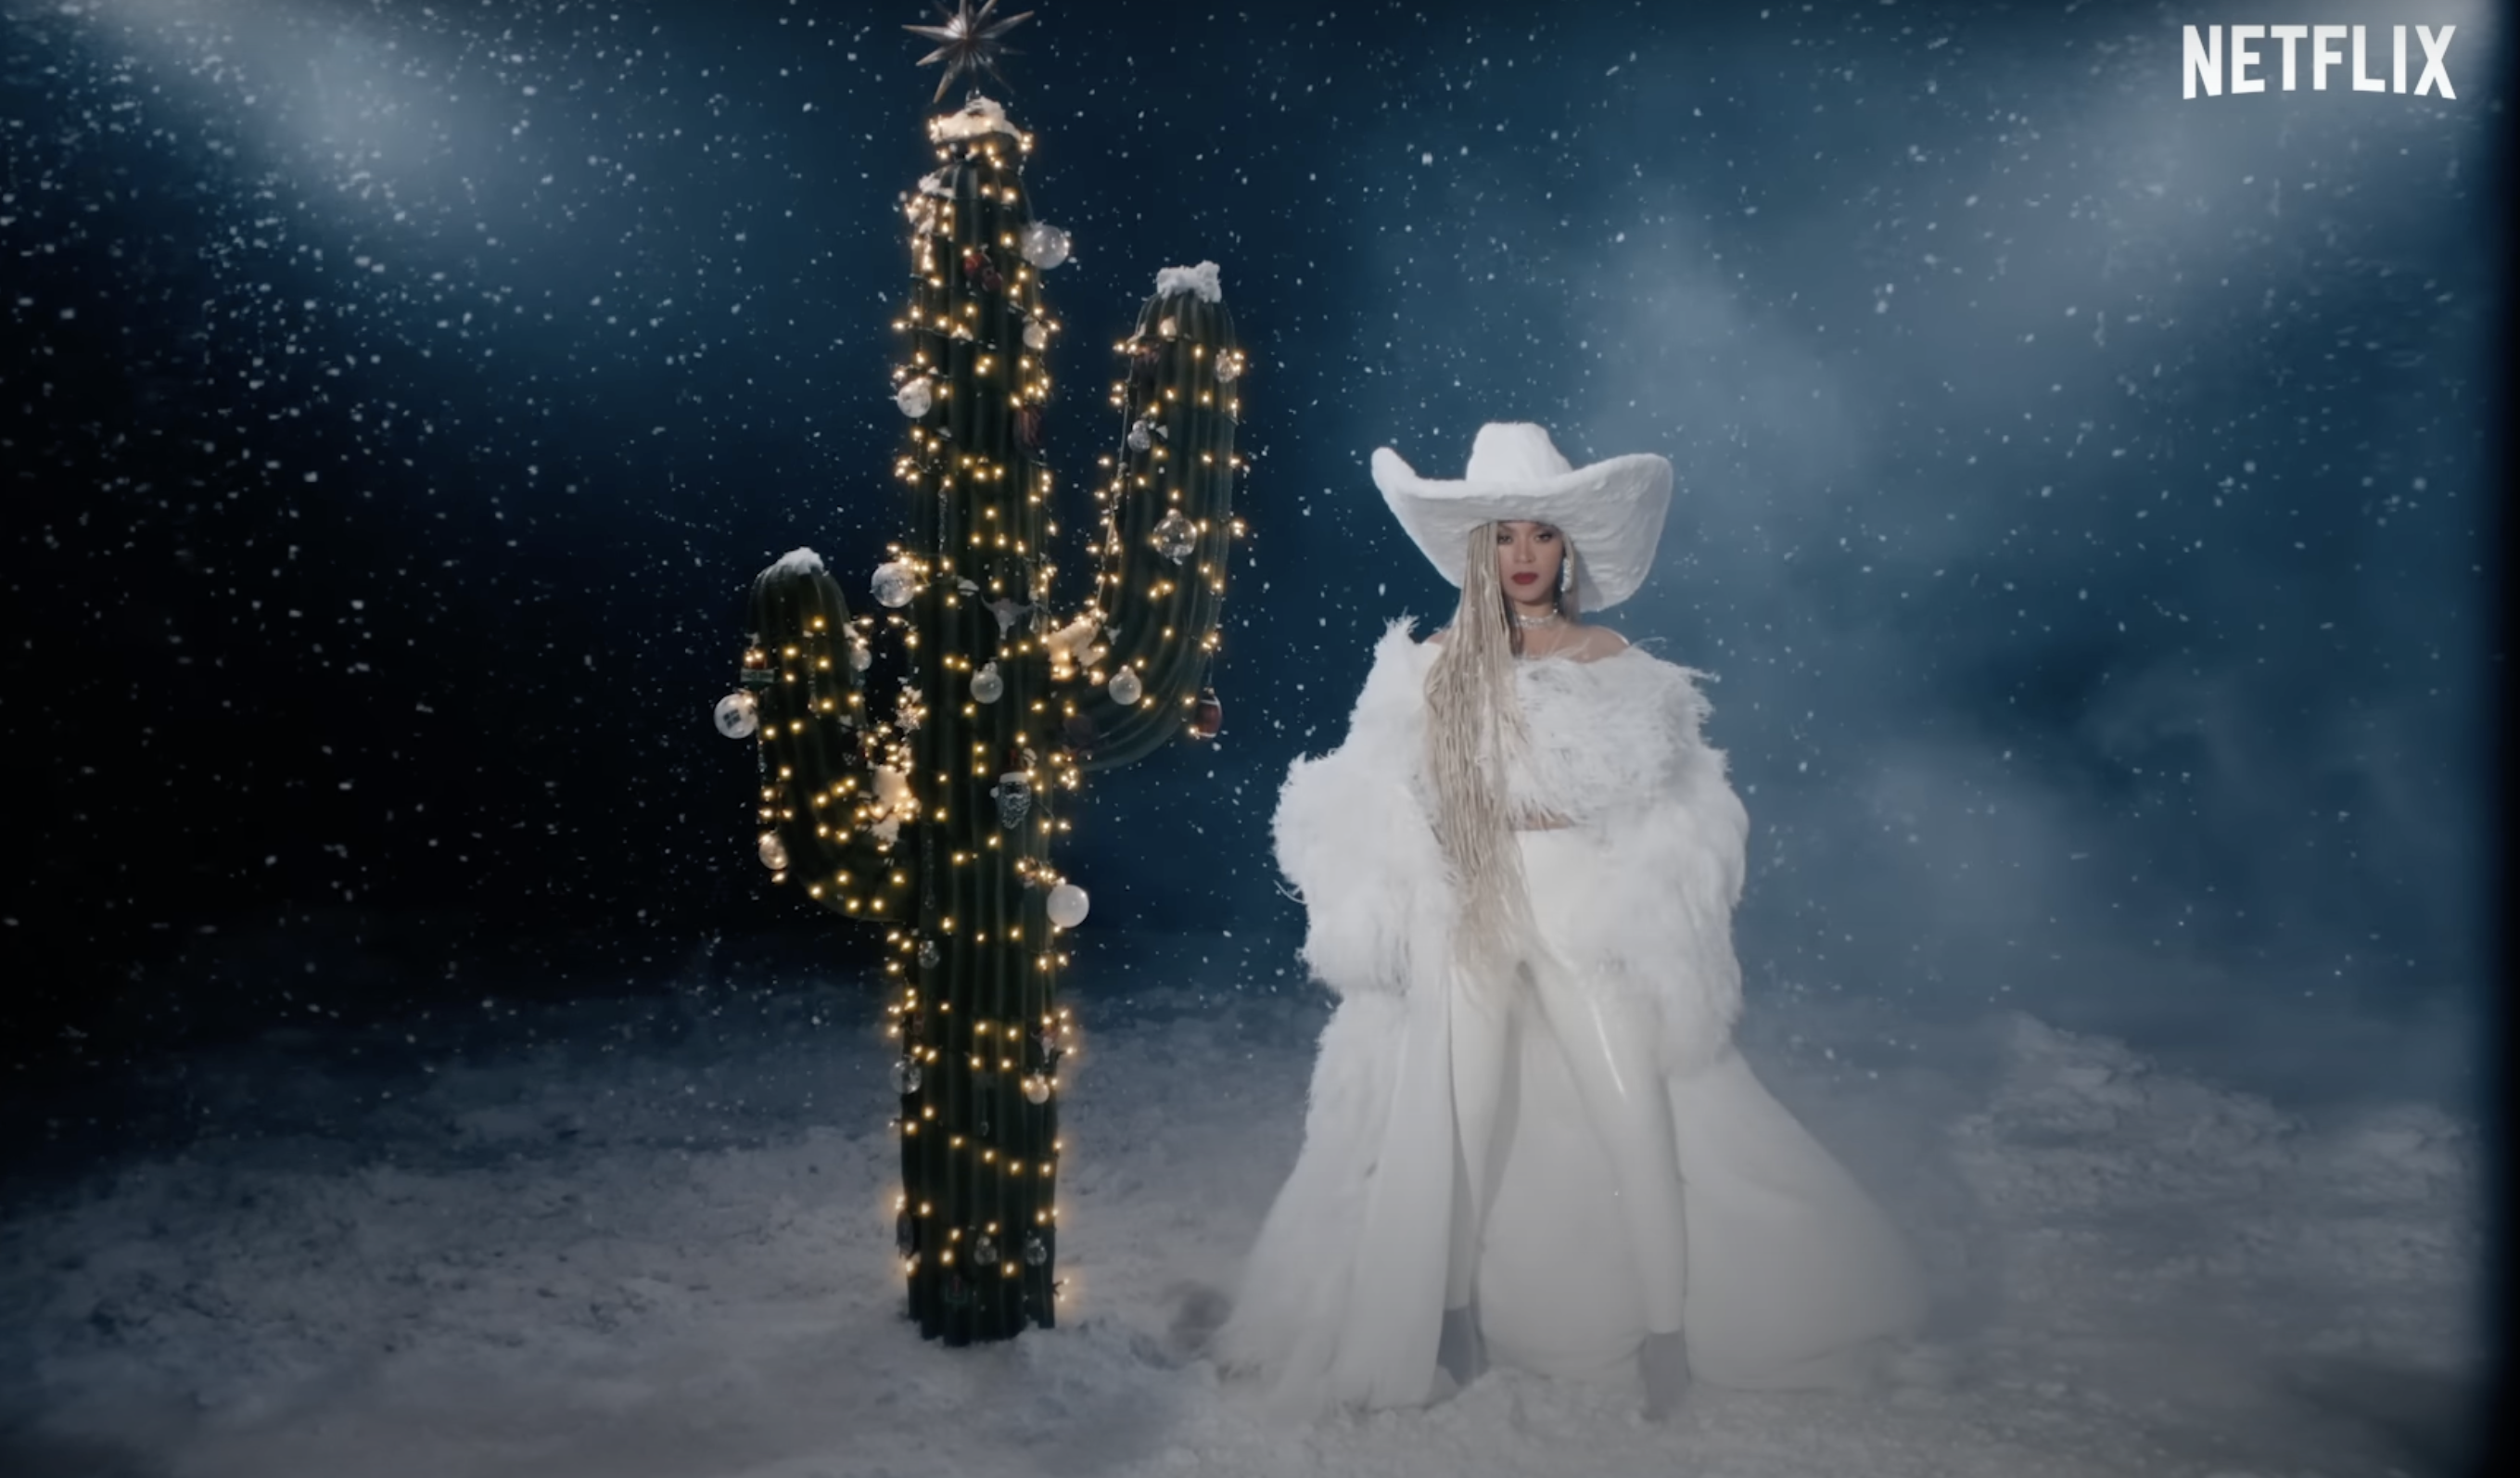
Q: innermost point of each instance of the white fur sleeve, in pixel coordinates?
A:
(1353, 836)
(1665, 912)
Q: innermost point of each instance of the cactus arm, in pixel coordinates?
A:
(1160, 613)
(818, 749)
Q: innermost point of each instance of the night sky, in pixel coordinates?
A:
(2087, 499)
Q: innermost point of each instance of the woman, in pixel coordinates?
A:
(1530, 1140)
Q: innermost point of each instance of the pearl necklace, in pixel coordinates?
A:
(1551, 619)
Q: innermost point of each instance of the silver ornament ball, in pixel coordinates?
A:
(739, 714)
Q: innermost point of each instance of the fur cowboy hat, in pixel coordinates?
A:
(1610, 511)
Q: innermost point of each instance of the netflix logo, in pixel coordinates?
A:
(2253, 58)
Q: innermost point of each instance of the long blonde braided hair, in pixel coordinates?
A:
(1474, 730)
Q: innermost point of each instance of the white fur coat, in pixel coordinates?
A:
(1615, 750)
(1793, 1275)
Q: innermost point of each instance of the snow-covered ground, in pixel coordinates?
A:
(639, 1239)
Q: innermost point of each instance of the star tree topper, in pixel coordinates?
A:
(972, 42)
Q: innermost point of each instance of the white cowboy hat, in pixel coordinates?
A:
(1610, 511)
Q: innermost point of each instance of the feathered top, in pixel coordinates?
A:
(1637, 898)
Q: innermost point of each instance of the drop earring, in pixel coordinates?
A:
(1567, 573)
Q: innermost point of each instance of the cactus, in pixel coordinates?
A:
(930, 807)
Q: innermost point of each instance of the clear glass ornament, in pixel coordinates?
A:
(915, 397)
(1036, 1089)
(1036, 337)
(774, 852)
(861, 656)
(985, 1250)
(1169, 327)
(905, 1077)
(987, 685)
(1229, 367)
(1045, 245)
(1067, 905)
(739, 714)
(1036, 1251)
(1127, 687)
(894, 584)
(1176, 536)
(929, 954)
(1142, 435)
(1013, 794)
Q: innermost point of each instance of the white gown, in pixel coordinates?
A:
(1793, 1275)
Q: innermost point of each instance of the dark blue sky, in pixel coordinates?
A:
(2086, 499)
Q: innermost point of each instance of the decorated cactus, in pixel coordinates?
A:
(913, 756)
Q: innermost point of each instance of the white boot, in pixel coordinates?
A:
(1459, 1348)
(1663, 1361)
